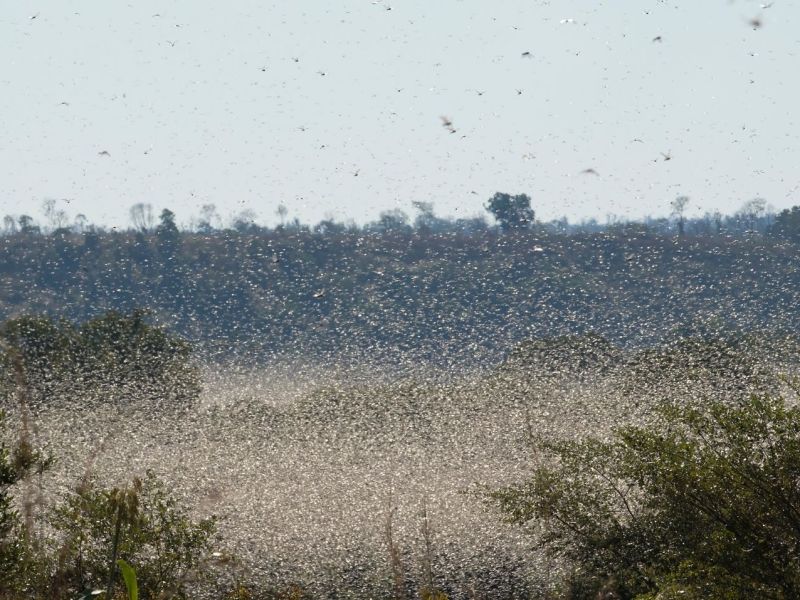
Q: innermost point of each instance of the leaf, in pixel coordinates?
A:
(129, 575)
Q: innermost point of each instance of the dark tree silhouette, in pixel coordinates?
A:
(512, 212)
(167, 233)
(679, 212)
(787, 224)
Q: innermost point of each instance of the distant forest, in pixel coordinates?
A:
(442, 289)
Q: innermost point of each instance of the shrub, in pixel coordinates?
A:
(114, 356)
(16, 464)
(11, 547)
(703, 502)
(148, 528)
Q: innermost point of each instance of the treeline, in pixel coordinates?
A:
(445, 292)
(508, 212)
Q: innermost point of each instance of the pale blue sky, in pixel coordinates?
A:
(226, 103)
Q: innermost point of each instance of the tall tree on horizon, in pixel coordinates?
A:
(513, 213)
(141, 215)
(679, 212)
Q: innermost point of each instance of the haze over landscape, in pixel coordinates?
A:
(400, 301)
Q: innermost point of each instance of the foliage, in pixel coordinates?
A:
(512, 212)
(11, 546)
(735, 365)
(475, 291)
(113, 356)
(588, 354)
(702, 503)
(787, 224)
(129, 576)
(16, 464)
(155, 534)
(141, 523)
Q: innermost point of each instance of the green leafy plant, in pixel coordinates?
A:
(117, 357)
(11, 543)
(17, 463)
(701, 503)
(141, 524)
(129, 576)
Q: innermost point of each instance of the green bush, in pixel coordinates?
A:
(147, 527)
(87, 532)
(704, 502)
(115, 357)
(722, 364)
(16, 463)
(11, 547)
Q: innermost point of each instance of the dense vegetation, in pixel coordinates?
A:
(700, 501)
(674, 322)
(70, 550)
(442, 289)
(113, 359)
(703, 503)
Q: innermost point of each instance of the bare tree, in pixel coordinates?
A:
(48, 208)
(142, 217)
(751, 211)
(9, 224)
(56, 218)
(679, 212)
(79, 225)
(282, 211)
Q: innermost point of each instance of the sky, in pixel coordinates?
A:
(335, 109)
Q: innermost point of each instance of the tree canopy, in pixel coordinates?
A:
(787, 224)
(111, 358)
(701, 503)
(512, 212)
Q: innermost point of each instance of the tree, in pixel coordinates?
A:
(787, 224)
(167, 234)
(705, 358)
(245, 222)
(751, 211)
(141, 523)
(700, 503)
(717, 218)
(514, 213)
(330, 227)
(56, 218)
(9, 225)
(27, 225)
(426, 219)
(394, 220)
(16, 464)
(209, 219)
(114, 358)
(142, 217)
(150, 530)
(678, 211)
(80, 223)
(11, 544)
(572, 355)
(282, 211)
